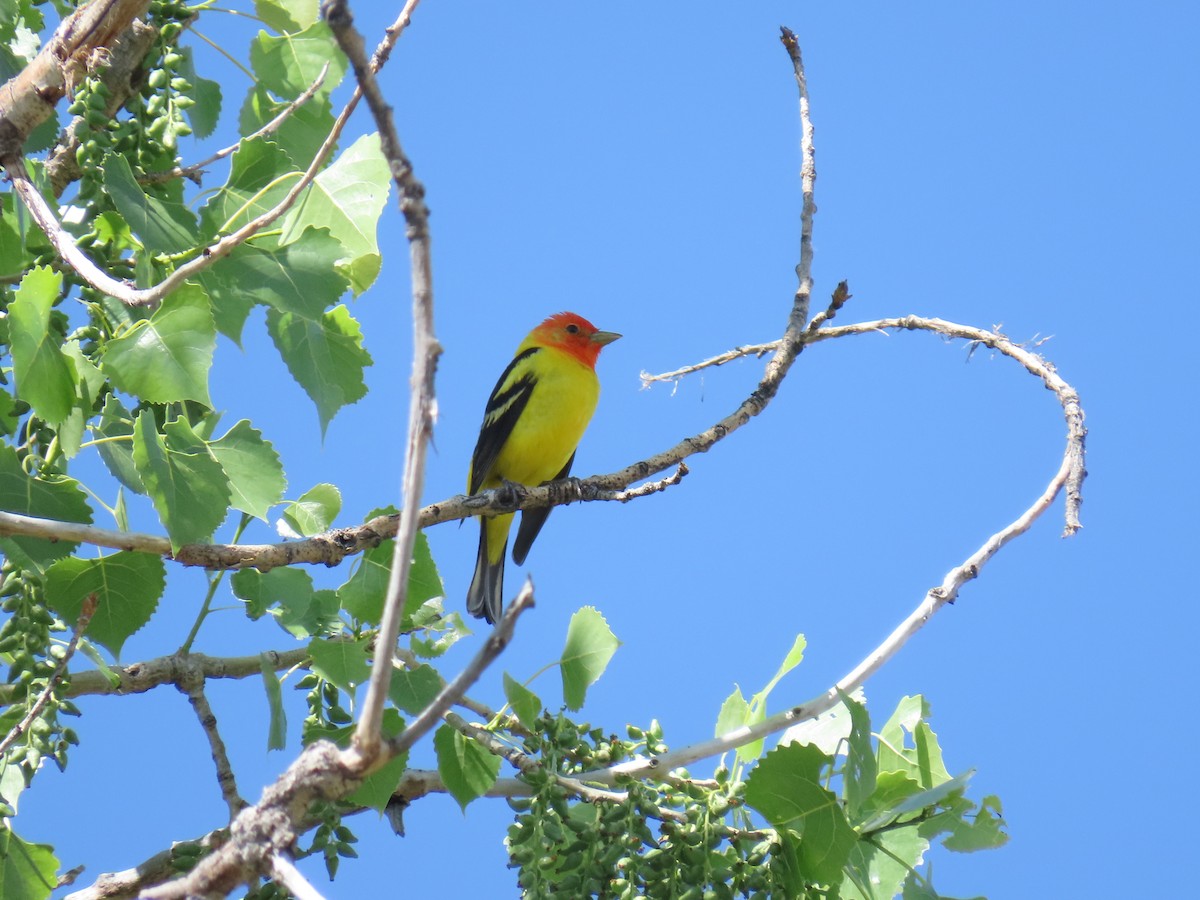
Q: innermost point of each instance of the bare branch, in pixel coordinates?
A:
(454, 691)
(426, 350)
(85, 616)
(192, 684)
(286, 874)
(808, 179)
(139, 677)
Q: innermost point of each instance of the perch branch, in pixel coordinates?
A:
(286, 874)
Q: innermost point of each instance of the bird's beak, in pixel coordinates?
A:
(603, 338)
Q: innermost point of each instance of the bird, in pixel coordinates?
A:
(532, 424)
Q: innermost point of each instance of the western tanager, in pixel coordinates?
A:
(532, 424)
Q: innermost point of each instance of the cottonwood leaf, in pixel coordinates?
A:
(287, 15)
(526, 705)
(127, 586)
(590, 645)
(302, 132)
(314, 511)
(253, 187)
(277, 727)
(186, 483)
(116, 424)
(348, 198)
(256, 480)
(467, 769)
(344, 663)
(288, 64)
(164, 226)
(414, 689)
(27, 871)
(45, 376)
(787, 789)
(166, 358)
(325, 356)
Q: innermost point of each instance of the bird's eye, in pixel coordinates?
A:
(572, 328)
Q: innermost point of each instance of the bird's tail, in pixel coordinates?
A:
(485, 598)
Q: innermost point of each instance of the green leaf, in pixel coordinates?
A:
(48, 497)
(90, 381)
(735, 713)
(325, 356)
(793, 658)
(921, 801)
(348, 198)
(345, 663)
(378, 787)
(298, 278)
(830, 731)
(983, 832)
(127, 585)
(254, 186)
(277, 730)
(14, 257)
(287, 594)
(164, 226)
(302, 132)
(116, 423)
(315, 511)
(256, 481)
(858, 776)
(287, 15)
(45, 376)
(786, 788)
(590, 645)
(187, 485)
(288, 64)
(27, 871)
(414, 689)
(467, 769)
(882, 865)
(364, 592)
(166, 358)
(526, 705)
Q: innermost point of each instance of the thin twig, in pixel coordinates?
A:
(81, 623)
(193, 686)
(808, 179)
(286, 874)
(426, 350)
(1070, 475)
(454, 691)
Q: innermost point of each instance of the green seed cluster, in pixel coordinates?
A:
(331, 838)
(149, 134)
(565, 847)
(32, 656)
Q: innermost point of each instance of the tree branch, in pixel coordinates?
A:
(426, 350)
(139, 677)
(192, 684)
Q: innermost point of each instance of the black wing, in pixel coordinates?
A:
(504, 407)
(532, 521)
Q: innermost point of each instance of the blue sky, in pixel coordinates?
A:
(1031, 166)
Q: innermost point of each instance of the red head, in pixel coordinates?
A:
(572, 334)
